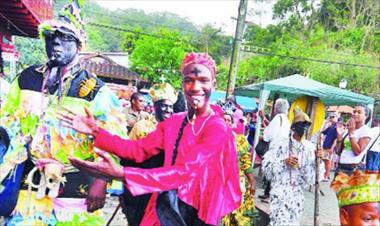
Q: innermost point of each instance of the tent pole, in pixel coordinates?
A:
(264, 94)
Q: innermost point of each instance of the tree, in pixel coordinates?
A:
(212, 41)
(32, 51)
(129, 39)
(158, 57)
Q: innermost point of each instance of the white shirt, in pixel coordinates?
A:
(348, 156)
(279, 127)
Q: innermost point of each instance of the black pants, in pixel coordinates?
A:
(172, 211)
(134, 206)
(267, 188)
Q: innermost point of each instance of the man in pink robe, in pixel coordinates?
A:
(205, 172)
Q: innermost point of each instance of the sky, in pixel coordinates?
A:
(216, 12)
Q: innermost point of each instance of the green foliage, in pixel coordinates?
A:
(211, 40)
(336, 32)
(332, 30)
(128, 42)
(32, 51)
(154, 57)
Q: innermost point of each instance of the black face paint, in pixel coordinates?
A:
(163, 110)
(61, 48)
(195, 71)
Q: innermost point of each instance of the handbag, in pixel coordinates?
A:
(263, 146)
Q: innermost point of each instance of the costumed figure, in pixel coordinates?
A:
(199, 182)
(290, 166)
(358, 197)
(246, 213)
(163, 97)
(42, 144)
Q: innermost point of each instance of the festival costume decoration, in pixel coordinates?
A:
(30, 117)
(358, 188)
(163, 91)
(300, 116)
(69, 22)
(319, 115)
(199, 58)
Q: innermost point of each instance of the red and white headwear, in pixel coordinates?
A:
(199, 58)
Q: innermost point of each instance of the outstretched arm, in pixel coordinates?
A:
(134, 150)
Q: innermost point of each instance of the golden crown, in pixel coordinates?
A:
(356, 189)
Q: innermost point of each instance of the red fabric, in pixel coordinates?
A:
(206, 170)
(150, 216)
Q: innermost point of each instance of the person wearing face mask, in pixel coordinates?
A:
(37, 138)
(199, 182)
(290, 166)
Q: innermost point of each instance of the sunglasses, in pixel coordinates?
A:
(49, 35)
(332, 116)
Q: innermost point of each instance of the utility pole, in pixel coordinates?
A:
(236, 46)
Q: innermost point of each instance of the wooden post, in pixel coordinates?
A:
(316, 193)
(236, 47)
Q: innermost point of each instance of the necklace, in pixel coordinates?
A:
(299, 149)
(193, 123)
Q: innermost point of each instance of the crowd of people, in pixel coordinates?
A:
(65, 138)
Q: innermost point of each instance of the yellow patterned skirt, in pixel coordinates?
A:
(246, 214)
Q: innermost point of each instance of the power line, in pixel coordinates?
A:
(144, 23)
(248, 49)
(131, 31)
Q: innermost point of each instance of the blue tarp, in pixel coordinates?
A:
(247, 103)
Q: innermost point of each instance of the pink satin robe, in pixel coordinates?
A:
(206, 171)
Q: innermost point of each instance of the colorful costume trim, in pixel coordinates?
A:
(356, 189)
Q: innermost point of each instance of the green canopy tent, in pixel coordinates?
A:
(294, 86)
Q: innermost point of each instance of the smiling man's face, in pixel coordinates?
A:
(198, 82)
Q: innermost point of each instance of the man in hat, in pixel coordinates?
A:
(163, 96)
(290, 166)
(36, 135)
(358, 197)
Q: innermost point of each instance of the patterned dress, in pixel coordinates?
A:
(246, 213)
(30, 117)
(288, 184)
